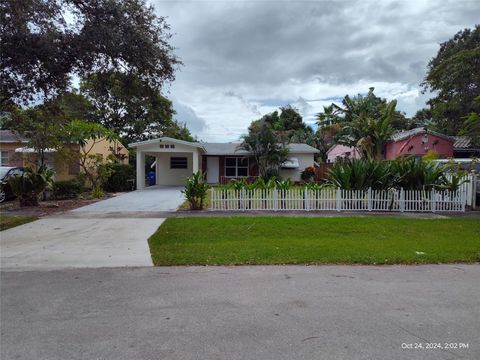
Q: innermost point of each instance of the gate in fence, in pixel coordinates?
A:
(338, 200)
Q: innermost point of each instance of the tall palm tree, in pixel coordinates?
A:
(370, 133)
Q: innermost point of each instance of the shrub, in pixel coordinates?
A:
(361, 174)
(28, 186)
(69, 189)
(308, 174)
(409, 173)
(119, 175)
(283, 184)
(244, 184)
(97, 193)
(196, 190)
(413, 173)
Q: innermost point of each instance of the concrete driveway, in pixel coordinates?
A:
(242, 312)
(58, 243)
(109, 233)
(152, 199)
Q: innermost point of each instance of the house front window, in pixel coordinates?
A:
(236, 167)
(178, 163)
(4, 158)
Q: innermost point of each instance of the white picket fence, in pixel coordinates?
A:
(337, 200)
(469, 186)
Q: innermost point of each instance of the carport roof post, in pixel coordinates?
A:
(140, 170)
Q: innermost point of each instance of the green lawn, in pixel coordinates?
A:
(10, 221)
(296, 240)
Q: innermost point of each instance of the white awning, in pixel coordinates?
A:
(32, 150)
(291, 163)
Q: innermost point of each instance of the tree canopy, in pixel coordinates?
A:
(131, 108)
(454, 76)
(288, 121)
(46, 42)
(352, 107)
(266, 147)
(363, 121)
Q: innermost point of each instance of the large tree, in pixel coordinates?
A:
(370, 134)
(131, 108)
(45, 43)
(352, 107)
(43, 125)
(471, 126)
(364, 121)
(287, 121)
(454, 76)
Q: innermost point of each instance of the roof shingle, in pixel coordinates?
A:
(7, 136)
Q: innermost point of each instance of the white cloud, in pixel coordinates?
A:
(245, 59)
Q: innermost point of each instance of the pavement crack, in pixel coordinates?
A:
(311, 338)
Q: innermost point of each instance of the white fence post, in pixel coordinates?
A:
(473, 187)
(402, 200)
(243, 200)
(307, 204)
(339, 199)
(212, 204)
(432, 200)
(275, 199)
(369, 198)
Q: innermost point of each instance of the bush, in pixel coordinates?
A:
(28, 186)
(413, 173)
(196, 191)
(409, 173)
(69, 189)
(118, 177)
(308, 174)
(97, 193)
(361, 174)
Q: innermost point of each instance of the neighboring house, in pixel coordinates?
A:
(177, 159)
(464, 148)
(415, 142)
(418, 142)
(342, 151)
(15, 152)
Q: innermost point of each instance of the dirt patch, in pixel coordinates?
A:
(49, 207)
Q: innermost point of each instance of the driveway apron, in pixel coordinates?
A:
(96, 235)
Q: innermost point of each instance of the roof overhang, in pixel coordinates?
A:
(28, 150)
(290, 163)
(166, 139)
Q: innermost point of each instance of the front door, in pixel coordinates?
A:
(212, 170)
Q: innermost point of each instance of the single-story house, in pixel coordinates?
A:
(463, 147)
(415, 142)
(175, 160)
(342, 151)
(418, 142)
(15, 152)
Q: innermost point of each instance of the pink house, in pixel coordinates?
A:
(418, 142)
(342, 151)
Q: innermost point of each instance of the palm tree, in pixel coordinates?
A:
(370, 133)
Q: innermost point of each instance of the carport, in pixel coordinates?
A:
(175, 160)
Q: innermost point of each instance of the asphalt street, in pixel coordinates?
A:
(257, 312)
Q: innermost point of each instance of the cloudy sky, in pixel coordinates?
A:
(243, 59)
